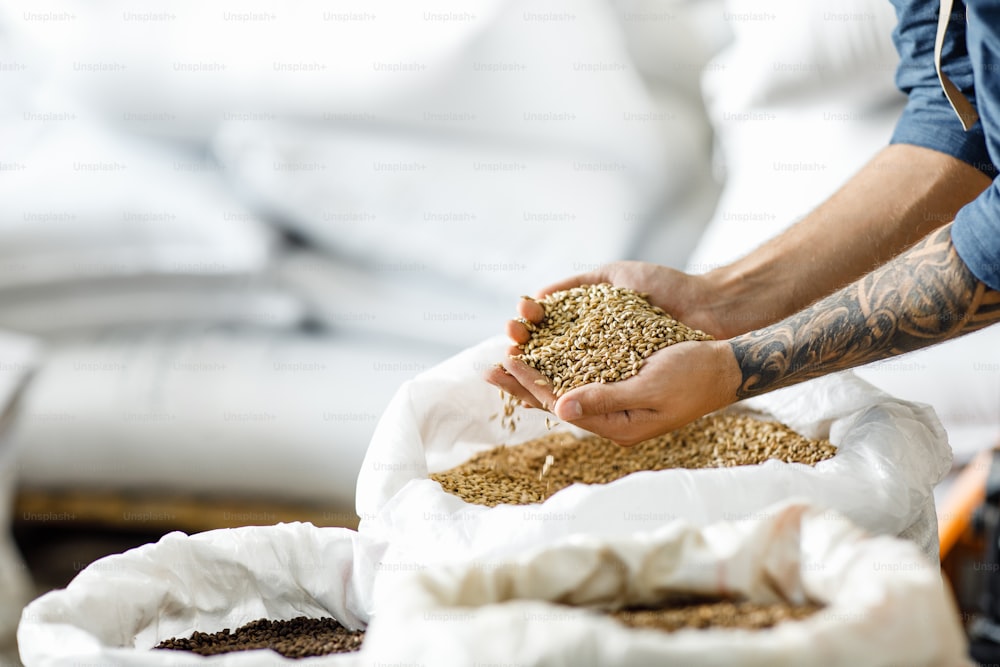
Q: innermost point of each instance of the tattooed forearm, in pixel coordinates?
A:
(924, 296)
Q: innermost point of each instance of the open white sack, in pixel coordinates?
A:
(884, 603)
(891, 454)
(120, 606)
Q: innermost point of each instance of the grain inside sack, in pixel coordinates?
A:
(299, 637)
(533, 471)
(706, 614)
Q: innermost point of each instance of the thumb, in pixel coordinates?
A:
(595, 399)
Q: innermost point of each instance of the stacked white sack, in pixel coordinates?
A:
(884, 603)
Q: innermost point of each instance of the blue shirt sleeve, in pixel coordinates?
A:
(976, 232)
(928, 119)
(976, 236)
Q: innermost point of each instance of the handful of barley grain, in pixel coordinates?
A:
(598, 333)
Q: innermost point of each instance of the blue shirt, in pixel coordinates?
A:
(971, 59)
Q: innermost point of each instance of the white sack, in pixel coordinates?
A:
(409, 304)
(537, 125)
(458, 209)
(891, 454)
(286, 415)
(120, 606)
(801, 99)
(84, 203)
(87, 308)
(384, 63)
(190, 65)
(884, 604)
(99, 230)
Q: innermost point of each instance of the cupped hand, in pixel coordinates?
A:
(675, 386)
(688, 298)
(522, 382)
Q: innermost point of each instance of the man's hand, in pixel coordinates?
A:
(675, 386)
(924, 296)
(687, 298)
(634, 413)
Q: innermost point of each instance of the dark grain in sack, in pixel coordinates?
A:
(701, 614)
(300, 637)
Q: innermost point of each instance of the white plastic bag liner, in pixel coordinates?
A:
(884, 604)
(18, 357)
(891, 454)
(120, 606)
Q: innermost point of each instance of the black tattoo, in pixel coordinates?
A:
(924, 296)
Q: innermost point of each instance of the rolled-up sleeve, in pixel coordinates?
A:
(976, 236)
(928, 119)
(976, 232)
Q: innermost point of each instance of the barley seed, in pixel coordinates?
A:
(509, 419)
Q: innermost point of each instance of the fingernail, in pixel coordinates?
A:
(569, 410)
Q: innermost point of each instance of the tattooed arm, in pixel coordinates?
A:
(903, 194)
(924, 296)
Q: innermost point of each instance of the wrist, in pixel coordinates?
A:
(745, 298)
(728, 374)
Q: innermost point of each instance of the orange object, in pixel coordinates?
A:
(967, 493)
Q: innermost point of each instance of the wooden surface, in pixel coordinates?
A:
(141, 511)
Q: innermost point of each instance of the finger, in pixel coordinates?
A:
(532, 381)
(624, 427)
(517, 332)
(500, 378)
(530, 310)
(597, 399)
